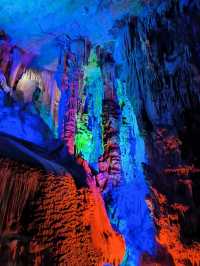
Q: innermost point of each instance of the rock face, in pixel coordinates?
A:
(75, 55)
(111, 120)
(162, 53)
(47, 220)
(49, 217)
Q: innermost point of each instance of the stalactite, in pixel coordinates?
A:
(20, 62)
(161, 88)
(5, 54)
(48, 95)
(14, 60)
(127, 117)
(130, 214)
(72, 81)
(69, 123)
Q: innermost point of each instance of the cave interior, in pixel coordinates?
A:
(99, 133)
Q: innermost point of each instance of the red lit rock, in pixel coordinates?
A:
(47, 220)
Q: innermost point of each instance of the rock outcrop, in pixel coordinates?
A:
(47, 220)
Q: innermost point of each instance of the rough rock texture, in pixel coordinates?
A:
(46, 220)
(154, 60)
(162, 53)
(69, 122)
(75, 55)
(111, 120)
(39, 29)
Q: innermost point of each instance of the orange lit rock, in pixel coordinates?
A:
(166, 218)
(174, 200)
(46, 220)
(105, 239)
(182, 170)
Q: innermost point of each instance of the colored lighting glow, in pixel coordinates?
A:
(88, 139)
(83, 138)
(130, 213)
(128, 210)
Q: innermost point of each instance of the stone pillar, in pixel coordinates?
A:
(69, 122)
(111, 121)
(72, 79)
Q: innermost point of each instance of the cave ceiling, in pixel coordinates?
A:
(39, 26)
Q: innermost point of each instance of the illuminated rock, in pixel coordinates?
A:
(111, 119)
(71, 83)
(47, 220)
(125, 102)
(14, 60)
(47, 101)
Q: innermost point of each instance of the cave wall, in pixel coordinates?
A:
(47, 220)
(129, 112)
(90, 125)
(161, 49)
